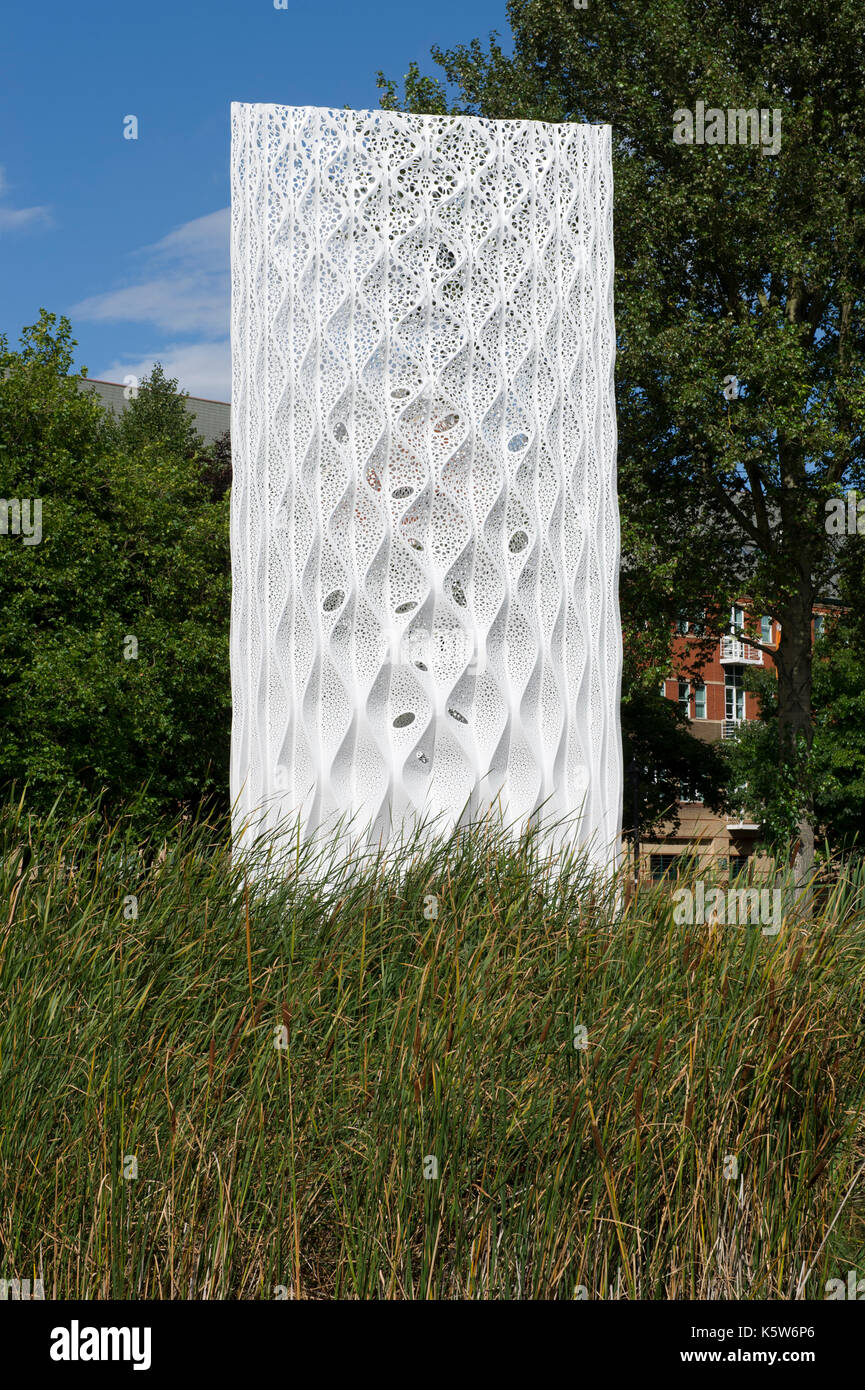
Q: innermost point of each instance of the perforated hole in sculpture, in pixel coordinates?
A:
(424, 522)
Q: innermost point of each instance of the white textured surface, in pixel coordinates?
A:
(425, 536)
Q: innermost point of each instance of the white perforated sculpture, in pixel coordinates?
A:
(425, 536)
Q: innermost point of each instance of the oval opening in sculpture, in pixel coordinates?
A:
(402, 721)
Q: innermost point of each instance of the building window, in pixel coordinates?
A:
(766, 629)
(734, 693)
(700, 701)
(738, 864)
(737, 619)
(819, 622)
(684, 698)
(682, 626)
(662, 865)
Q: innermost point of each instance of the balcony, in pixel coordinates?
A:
(729, 727)
(736, 653)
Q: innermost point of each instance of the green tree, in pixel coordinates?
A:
(217, 466)
(832, 775)
(839, 736)
(114, 628)
(665, 763)
(157, 417)
(738, 270)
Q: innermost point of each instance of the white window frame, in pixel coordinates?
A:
(734, 694)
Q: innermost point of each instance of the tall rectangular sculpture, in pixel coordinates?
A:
(425, 537)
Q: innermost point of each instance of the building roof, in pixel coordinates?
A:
(212, 418)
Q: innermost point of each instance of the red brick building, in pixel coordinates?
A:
(716, 704)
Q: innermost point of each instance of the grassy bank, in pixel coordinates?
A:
(282, 1072)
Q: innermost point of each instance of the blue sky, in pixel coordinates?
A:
(129, 238)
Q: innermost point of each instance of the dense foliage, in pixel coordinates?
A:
(114, 627)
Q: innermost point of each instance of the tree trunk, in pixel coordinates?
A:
(795, 726)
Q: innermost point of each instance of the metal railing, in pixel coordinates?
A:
(733, 649)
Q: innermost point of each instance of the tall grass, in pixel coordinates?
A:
(431, 1014)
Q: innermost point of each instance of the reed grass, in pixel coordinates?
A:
(283, 1067)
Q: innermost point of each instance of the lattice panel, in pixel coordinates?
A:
(425, 537)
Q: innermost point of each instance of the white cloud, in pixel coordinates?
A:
(13, 218)
(206, 236)
(177, 304)
(182, 288)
